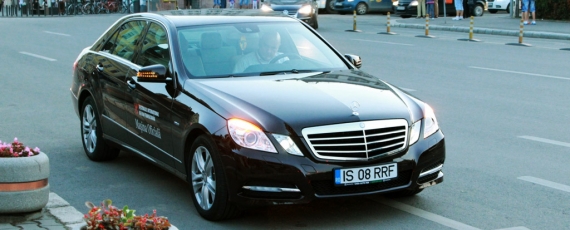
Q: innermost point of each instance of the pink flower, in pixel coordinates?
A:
(37, 150)
(16, 140)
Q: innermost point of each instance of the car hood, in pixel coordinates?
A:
(288, 103)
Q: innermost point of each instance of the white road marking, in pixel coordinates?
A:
(546, 183)
(424, 214)
(515, 228)
(546, 141)
(49, 32)
(530, 74)
(38, 56)
(391, 43)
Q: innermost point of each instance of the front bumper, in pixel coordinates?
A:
(257, 178)
(406, 10)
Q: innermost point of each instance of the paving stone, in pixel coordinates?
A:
(8, 227)
(31, 226)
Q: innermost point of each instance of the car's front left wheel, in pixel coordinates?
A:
(92, 135)
(207, 177)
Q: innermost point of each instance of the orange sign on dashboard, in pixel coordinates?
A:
(448, 1)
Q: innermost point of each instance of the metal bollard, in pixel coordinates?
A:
(387, 26)
(353, 23)
(470, 33)
(427, 29)
(520, 43)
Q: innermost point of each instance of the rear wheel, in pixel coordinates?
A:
(329, 8)
(478, 11)
(92, 135)
(207, 176)
(361, 8)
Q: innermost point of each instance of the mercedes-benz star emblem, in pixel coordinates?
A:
(355, 106)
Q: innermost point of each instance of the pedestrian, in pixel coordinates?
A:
(217, 3)
(61, 7)
(528, 5)
(243, 4)
(254, 5)
(469, 7)
(232, 3)
(436, 7)
(421, 8)
(458, 10)
(430, 10)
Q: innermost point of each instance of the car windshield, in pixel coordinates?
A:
(254, 49)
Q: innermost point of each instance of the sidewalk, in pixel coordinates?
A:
(496, 24)
(56, 215)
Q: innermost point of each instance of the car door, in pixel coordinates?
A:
(380, 5)
(111, 63)
(149, 103)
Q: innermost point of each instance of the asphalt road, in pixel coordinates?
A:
(504, 111)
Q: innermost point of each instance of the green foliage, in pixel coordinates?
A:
(553, 9)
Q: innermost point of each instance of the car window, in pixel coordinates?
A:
(155, 48)
(124, 41)
(238, 49)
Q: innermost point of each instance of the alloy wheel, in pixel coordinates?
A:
(89, 128)
(203, 178)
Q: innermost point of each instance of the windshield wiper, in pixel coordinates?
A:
(286, 72)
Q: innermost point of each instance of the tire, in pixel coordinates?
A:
(361, 8)
(70, 10)
(404, 193)
(315, 22)
(509, 8)
(493, 11)
(92, 135)
(207, 177)
(478, 10)
(329, 8)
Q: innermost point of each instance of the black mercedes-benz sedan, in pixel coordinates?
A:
(251, 110)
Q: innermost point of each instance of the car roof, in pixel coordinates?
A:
(193, 17)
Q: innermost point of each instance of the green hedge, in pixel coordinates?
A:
(553, 9)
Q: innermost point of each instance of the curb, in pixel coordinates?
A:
(528, 34)
(64, 212)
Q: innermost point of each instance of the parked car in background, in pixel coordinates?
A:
(362, 6)
(408, 8)
(305, 10)
(498, 5)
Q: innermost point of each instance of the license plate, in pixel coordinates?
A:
(365, 175)
(401, 8)
(338, 4)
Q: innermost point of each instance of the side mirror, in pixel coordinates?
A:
(152, 73)
(354, 59)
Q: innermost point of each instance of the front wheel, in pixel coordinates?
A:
(207, 176)
(92, 135)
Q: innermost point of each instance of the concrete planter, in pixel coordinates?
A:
(24, 183)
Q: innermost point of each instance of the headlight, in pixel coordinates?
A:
(307, 9)
(265, 8)
(288, 144)
(414, 3)
(394, 3)
(430, 122)
(415, 132)
(250, 136)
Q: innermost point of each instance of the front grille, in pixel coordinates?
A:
(327, 187)
(357, 140)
